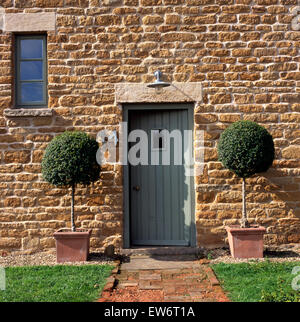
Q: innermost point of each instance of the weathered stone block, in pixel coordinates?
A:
(17, 156)
(10, 243)
(291, 152)
(249, 19)
(220, 98)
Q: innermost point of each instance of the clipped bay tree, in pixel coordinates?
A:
(246, 148)
(69, 160)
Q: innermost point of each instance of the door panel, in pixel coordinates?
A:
(160, 205)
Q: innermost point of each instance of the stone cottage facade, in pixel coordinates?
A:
(228, 59)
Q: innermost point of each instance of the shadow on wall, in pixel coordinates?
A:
(283, 214)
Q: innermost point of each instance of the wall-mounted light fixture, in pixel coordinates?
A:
(158, 84)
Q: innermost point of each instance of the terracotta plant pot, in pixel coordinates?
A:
(246, 242)
(72, 246)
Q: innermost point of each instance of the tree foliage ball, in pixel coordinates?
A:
(246, 148)
(70, 159)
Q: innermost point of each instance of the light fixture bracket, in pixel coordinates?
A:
(158, 82)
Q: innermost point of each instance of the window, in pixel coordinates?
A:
(31, 71)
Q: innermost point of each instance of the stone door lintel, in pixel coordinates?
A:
(175, 93)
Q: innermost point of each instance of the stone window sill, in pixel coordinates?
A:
(28, 112)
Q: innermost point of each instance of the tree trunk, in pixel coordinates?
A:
(244, 221)
(72, 209)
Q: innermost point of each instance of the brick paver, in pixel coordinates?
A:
(168, 280)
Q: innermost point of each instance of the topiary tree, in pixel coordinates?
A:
(246, 148)
(70, 159)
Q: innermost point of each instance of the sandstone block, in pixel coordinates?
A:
(227, 18)
(268, 19)
(267, 98)
(290, 117)
(12, 202)
(45, 243)
(152, 20)
(243, 98)
(249, 19)
(273, 36)
(131, 20)
(264, 52)
(30, 243)
(72, 101)
(241, 52)
(17, 156)
(229, 197)
(229, 118)
(170, 37)
(205, 118)
(10, 243)
(291, 152)
(220, 98)
(250, 76)
(151, 2)
(111, 2)
(220, 52)
(172, 19)
(238, 8)
(266, 2)
(11, 138)
(106, 20)
(229, 36)
(205, 197)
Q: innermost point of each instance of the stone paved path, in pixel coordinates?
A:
(165, 279)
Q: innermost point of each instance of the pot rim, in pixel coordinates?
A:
(235, 229)
(61, 233)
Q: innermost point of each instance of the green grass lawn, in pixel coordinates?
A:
(258, 282)
(59, 283)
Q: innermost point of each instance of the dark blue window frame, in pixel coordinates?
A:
(40, 82)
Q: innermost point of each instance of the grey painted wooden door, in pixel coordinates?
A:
(160, 198)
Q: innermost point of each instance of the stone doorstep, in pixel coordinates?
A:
(148, 251)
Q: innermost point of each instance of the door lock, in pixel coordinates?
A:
(136, 188)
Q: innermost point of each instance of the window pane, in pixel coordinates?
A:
(31, 92)
(31, 48)
(31, 70)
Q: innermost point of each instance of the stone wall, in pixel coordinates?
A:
(244, 53)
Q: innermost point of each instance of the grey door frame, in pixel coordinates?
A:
(126, 181)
